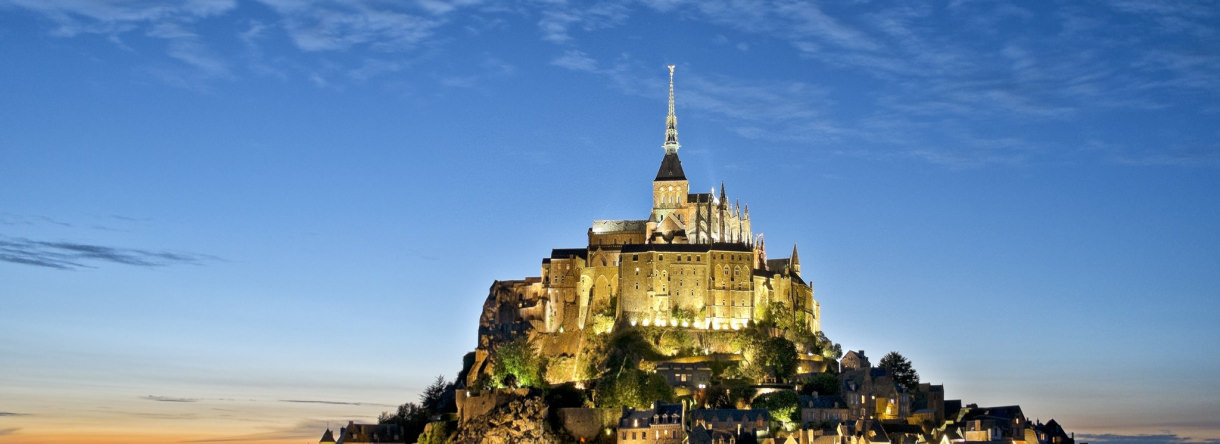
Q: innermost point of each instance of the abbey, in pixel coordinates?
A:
(693, 263)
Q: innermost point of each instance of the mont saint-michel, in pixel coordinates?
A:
(679, 327)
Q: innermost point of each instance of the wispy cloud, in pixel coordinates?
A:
(168, 399)
(575, 60)
(118, 16)
(307, 429)
(557, 21)
(767, 110)
(71, 255)
(308, 401)
(9, 431)
(941, 70)
(339, 25)
(13, 414)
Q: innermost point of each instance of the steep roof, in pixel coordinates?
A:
(671, 168)
(730, 415)
(614, 226)
(565, 253)
(822, 402)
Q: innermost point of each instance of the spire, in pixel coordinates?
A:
(795, 261)
(723, 199)
(671, 121)
(671, 166)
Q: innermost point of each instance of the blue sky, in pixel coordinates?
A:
(211, 210)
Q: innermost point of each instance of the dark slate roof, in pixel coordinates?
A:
(952, 407)
(822, 402)
(672, 411)
(327, 437)
(686, 248)
(777, 265)
(614, 226)
(683, 366)
(1005, 412)
(699, 197)
(671, 168)
(564, 253)
(733, 415)
(896, 427)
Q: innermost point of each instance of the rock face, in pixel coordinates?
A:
(519, 421)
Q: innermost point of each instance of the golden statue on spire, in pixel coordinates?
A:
(671, 121)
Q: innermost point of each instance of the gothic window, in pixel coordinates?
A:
(637, 285)
(635, 257)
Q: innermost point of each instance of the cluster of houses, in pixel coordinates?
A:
(869, 408)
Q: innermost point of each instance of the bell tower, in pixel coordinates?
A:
(670, 188)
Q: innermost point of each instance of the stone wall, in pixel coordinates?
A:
(473, 404)
(520, 421)
(581, 422)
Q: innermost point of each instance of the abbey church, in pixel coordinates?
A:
(694, 262)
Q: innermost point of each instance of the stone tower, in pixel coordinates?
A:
(670, 188)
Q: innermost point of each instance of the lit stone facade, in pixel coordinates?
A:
(694, 262)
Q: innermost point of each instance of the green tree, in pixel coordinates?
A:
(823, 384)
(410, 417)
(433, 396)
(632, 388)
(517, 359)
(714, 397)
(779, 358)
(900, 368)
(784, 406)
(780, 315)
(682, 314)
(437, 433)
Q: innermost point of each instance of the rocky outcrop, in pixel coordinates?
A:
(519, 421)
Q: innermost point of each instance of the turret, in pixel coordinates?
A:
(795, 262)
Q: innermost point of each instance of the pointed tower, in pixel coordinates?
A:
(795, 262)
(670, 188)
(671, 121)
